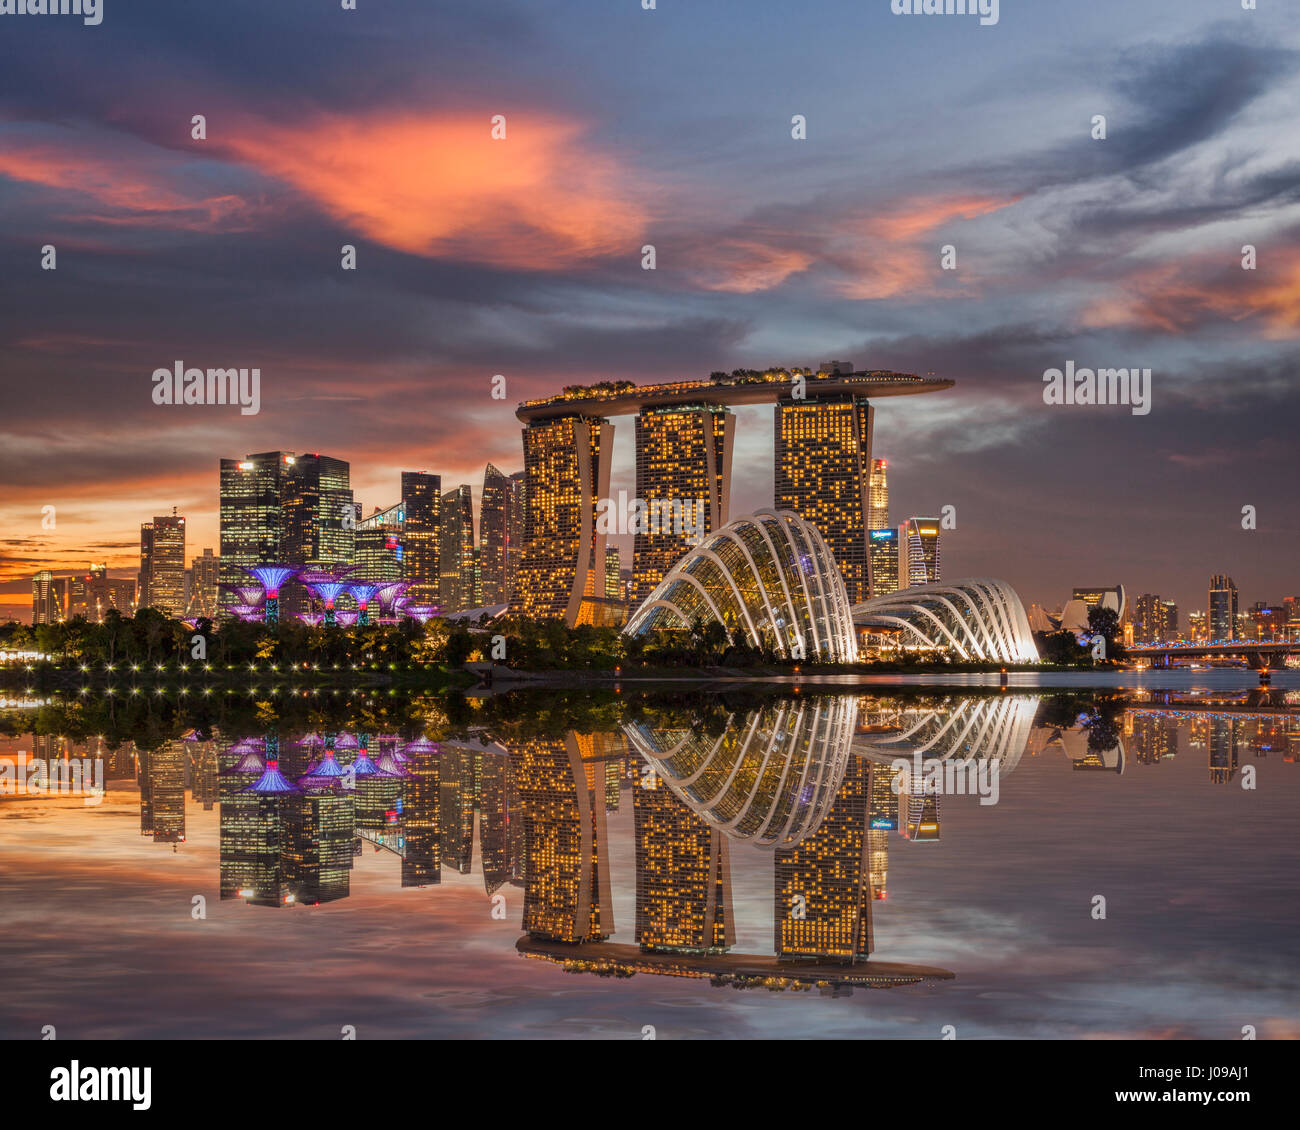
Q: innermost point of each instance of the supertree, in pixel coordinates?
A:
(312, 619)
(272, 781)
(345, 619)
(271, 578)
(328, 591)
(362, 592)
(247, 593)
(249, 613)
(389, 593)
(422, 612)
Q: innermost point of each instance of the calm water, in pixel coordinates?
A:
(758, 839)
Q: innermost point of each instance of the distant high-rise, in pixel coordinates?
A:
(501, 532)
(883, 546)
(92, 594)
(204, 591)
(253, 526)
(379, 550)
(45, 607)
(456, 550)
(1155, 620)
(683, 475)
(162, 565)
(878, 497)
(918, 552)
(823, 468)
(613, 572)
(566, 467)
(320, 519)
(422, 497)
(1221, 614)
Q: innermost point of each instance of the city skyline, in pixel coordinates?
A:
(1070, 249)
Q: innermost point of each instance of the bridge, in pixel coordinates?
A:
(1257, 655)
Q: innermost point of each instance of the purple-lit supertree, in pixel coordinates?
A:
(246, 592)
(271, 578)
(327, 591)
(422, 612)
(249, 613)
(272, 781)
(363, 592)
(345, 619)
(389, 593)
(312, 619)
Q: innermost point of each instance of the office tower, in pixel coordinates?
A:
(683, 875)
(204, 578)
(456, 550)
(379, 547)
(823, 888)
(566, 869)
(501, 532)
(92, 594)
(566, 467)
(918, 547)
(878, 497)
(456, 808)
(162, 565)
(45, 608)
(1168, 620)
(1197, 629)
(316, 850)
(320, 518)
(884, 561)
(683, 477)
(421, 798)
(823, 468)
(422, 498)
(1221, 612)
(253, 526)
(1268, 621)
(1155, 620)
(613, 572)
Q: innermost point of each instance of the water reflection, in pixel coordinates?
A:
(813, 785)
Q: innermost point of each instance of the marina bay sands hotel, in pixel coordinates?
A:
(685, 438)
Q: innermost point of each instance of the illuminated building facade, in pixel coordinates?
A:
(320, 519)
(91, 594)
(205, 576)
(379, 553)
(878, 496)
(823, 470)
(1221, 615)
(421, 817)
(823, 888)
(254, 531)
(683, 875)
(566, 467)
(501, 533)
(45, 606)
(767, 575)
(1154, 620)
(457, 590)
(883, 547)
(918, 552)
(161, 583)
(683, 454)
(422, 498)
(566, 870)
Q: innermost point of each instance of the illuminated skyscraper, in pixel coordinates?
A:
(613, 572)
(320, 520)
(501, 825)
(456, 590)
(566, 466)
(204, 578)
(1221, 616)
(162, 565)
(918, 552)
(823, 468)
(380, 551)
(883, 545)
(683, 456)
(878, 497)
(566, 888)
(422, 499)
(421, 799)
(456, 808)
(162, 793)
(501, 533)
(45, 606)
(253, 526)
(823, 888)
(683, 875)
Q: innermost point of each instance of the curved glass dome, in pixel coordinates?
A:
(771, 777)
(769, 575)
(980, 619)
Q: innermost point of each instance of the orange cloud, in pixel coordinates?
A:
(441, 186)
(134, 192)
(743, 266)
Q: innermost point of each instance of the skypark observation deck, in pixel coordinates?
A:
(626, 399)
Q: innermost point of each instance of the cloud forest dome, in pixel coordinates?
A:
(769, 575)
(976, 619)
(770, 777)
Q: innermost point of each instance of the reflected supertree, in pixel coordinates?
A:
(347, 741)
(326, 770)
(272, 578)
(272, 781)
(363, 592)
(364, 767)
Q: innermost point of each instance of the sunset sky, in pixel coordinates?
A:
(669, 127)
